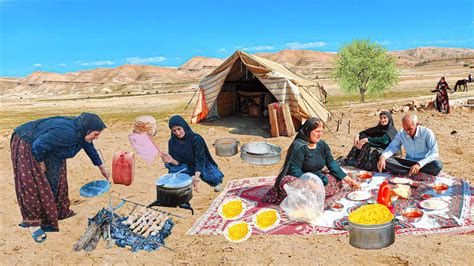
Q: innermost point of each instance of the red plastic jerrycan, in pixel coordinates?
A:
(123, 168)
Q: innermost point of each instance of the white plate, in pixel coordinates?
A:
(230, 200)
(226, 232)
(400, 180)
(359, 195)
(277, 222)
(434, 204)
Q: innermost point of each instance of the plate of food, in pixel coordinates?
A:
(399, 180)
(434, 204)
(364, 175)
(266, 219)
(359, 195)
(238, 231)
(232, 209)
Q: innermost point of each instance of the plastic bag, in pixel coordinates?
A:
(305, 200)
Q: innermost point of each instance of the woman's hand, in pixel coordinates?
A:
(104, 171)
(42, 167)
(352, 183)
(362, 142)
(166, 158)
(356, 140)
(196, 181)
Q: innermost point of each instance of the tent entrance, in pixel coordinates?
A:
(242, 93)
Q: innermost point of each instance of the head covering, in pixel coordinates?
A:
(302, 139)
(88, 122)
(379, 130)
(181, 149)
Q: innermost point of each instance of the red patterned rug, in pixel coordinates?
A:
(458, 218)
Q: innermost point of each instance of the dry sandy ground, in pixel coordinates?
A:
(456, 151)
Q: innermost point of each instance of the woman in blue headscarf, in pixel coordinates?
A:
(188, 150)
(39, 150)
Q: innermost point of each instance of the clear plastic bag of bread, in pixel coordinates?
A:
(305, 200)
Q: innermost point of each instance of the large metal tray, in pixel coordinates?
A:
(274, 156)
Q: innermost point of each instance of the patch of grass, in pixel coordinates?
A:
(334, 101)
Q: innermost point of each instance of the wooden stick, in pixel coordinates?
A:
(337, 129)
(349, 127)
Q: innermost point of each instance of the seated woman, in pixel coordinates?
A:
(308, 153)
(188, 150)
(370, 143)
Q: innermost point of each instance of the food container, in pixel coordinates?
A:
(440, 188)
(174, 189)
(412, 215)
(272, 157)
(372, 236)
(363, 175)
(256, 147)
(226, 147)
(336, 206)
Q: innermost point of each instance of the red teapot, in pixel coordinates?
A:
(123, 168)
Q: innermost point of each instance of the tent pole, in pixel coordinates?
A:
(191, 99)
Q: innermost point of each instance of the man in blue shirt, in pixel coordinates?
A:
(421, 150)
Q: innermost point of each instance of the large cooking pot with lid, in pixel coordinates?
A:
(174, 189)
(226, 147)
(372, 236)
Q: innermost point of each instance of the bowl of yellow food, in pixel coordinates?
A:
(232, 209)
(238, 231)
(371, 226)
(266, 219)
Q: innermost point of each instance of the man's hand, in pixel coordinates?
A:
(414, 169)
(381, 164)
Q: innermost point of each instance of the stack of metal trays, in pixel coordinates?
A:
(260, 153)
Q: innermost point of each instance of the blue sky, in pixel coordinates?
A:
(64, 36)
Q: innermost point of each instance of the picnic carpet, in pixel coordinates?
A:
(457, 218)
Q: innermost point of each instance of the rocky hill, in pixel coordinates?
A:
(144, 79)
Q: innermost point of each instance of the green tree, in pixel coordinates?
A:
(365, 67)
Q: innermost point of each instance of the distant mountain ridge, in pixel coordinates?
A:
(153, 79)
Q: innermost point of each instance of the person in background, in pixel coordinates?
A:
(442, 99)
(370, 143)
(39, 150)
(308, 153)
(188, 150)
(421, 150)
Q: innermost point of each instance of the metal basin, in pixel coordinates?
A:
(373, 236)
(272, 157)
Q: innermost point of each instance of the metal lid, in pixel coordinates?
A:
(175, 180)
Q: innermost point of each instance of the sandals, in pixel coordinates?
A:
(39, 236)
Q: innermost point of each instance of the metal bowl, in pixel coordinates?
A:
(257, 148)
(440, 188)
(412, 215)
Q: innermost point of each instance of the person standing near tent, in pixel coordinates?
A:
(308, 153)
(370, 143)
(39, 150)
(421, 150)
(188, 150)
(442, 99)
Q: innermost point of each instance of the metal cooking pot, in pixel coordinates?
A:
(372, 236)
(174, 189)
(226, 147)
(272, 157)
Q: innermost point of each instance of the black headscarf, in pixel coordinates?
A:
(379, 130)
(88, 122)
(302, 139)
(181, 149)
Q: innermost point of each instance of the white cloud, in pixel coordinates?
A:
(61, 65)
(37, 65)
(96, 63)
(446, 42)
(298, 45)
(222, 50)
(259, 48)
(147, 60)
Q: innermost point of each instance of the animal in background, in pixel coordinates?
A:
(461, 85)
